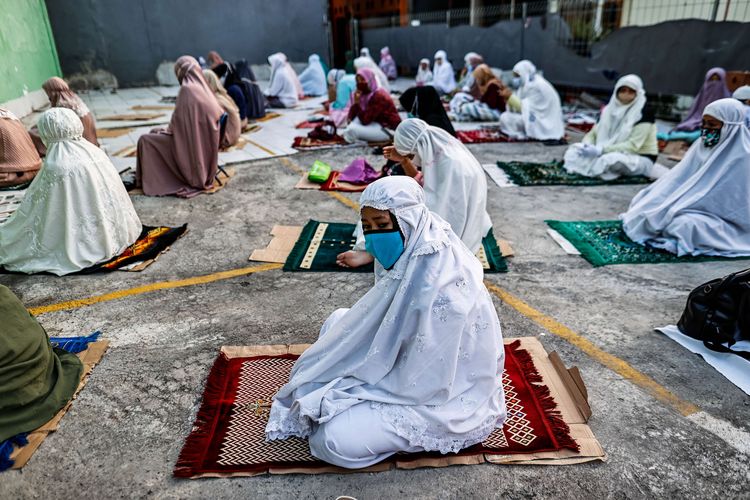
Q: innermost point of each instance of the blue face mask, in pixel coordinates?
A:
(385, 245)
(515, 82)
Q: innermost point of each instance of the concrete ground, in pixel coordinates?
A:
(123, 434)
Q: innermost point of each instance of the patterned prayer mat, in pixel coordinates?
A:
(320, 242)
(228, 437)
(303, 142)
(553, 174)
(152, 242)
(494, 135)
(603, 243)
(333, 184)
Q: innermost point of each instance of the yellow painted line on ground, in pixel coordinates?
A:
(272, 153)
(152, 287)
(610, 361)
(333, 194)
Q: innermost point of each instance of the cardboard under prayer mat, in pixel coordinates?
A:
(220, 182)
(90, 358)
(546, 424)
(554, 174)
(111, 133)
(268, 116)
(320, 242)
(132, 117)
(284, 239)
(151, 107)
(604, 243)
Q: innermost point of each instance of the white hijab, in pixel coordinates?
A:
(540, 104)
(367, 62)
(443, 78)
(391, 350)
(702, 205)
(76, 213)
(617, 120)
(454, 182)
(282, 83)
(743, 94)
(424, 75)
(365, 52)
(313, 78)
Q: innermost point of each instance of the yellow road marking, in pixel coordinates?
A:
(333, 194)
(152, 287)
(610, 361)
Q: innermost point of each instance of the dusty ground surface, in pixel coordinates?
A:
(123, 434)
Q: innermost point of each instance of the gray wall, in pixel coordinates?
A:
(671, 57)
(131, 37)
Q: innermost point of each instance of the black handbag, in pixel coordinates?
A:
(718, 313)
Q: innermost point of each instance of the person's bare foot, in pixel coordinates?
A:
(354, 259)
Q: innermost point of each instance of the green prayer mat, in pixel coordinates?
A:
(320, 242)
(603, 242)
(553, 174)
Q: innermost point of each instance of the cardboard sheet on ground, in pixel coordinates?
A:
(220, 182)
(735, 368)
(284, 238)
(90, 358)
(565, 386)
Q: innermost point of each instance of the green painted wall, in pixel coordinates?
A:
(27, 49)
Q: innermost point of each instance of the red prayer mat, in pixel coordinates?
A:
(479, 136)
(307, 124)
(333, 184)
(228, 437)
(308, 143)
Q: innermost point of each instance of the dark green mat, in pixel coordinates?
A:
(553, 174)
(603, 242)
(336, 237)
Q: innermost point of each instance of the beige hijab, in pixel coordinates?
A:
(233, 127)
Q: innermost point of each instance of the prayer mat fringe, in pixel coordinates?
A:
(559, 429)
(199, 440)
(74, 345)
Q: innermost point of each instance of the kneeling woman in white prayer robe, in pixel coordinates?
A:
(702, 205)
(623, 142)
(415, 364)
(76, 213)
(541, 112)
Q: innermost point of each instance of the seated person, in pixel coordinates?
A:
(702, 205)
(38, 379)
(182, 159)
(313, 78)
(60, 96)
(19, 159)
(368, 63)
(282, 91)
(424, 103)
(340, 88)
(371, 112)
(454, 184)
(714, 88)
(472, 60)
(384, 377)
(234, 124)
(443, 77)
(76, 213)
(742, 94)
(239, 81)
(387, 64)
(623, 142)
(492, 101)
(540, 117)
(424, 75)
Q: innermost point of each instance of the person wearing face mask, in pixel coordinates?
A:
(454, 183)
(742, 94)
(623, 142)
(491, 102)
(702, 205)
(472, 60)
(371, 112)
(714, 88)
(368, 63)
(540, 117)
(383, 377)
(443, 79)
